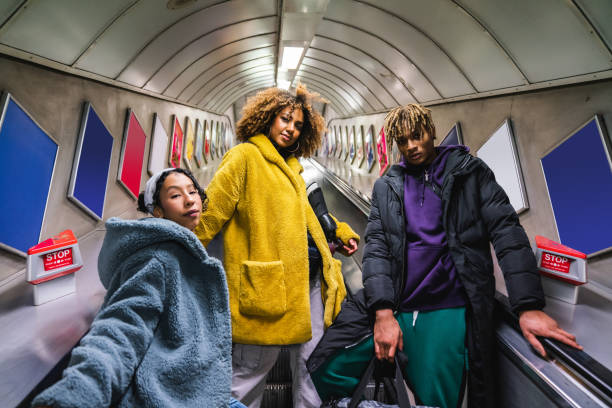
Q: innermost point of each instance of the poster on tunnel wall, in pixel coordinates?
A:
(369, 148)
(27, 161)
(207, 140)
(132, 155)
(580, 193)
(381, 148)
(189, 143)
(91, 164)
(159, 147)
(176, 146)
(453, 137)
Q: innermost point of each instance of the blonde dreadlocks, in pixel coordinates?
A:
(408, 121)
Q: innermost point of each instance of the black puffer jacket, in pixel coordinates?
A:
(476, 211)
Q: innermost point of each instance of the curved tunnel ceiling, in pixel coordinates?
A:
(361, 55)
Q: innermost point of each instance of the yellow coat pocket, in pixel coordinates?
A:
(262, 289)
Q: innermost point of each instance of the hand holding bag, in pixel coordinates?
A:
(392, 376)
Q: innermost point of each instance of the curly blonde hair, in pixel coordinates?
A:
(408, 121)
(261, 110)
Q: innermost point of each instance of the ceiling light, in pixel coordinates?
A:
(283, 84)
(291, 57)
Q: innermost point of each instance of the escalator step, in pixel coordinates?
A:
(281, 372)
(277, 393)
(277, 396)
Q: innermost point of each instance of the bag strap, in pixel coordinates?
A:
(398, 384)
(365, 378)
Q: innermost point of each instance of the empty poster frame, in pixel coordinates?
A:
(345, 144)
(91, 164)
(189, 143)
(199, 144)
(501, 155)
(176, 143)
(334, 143)
(132, 155)
(453, 137)
(578, 175)
(218, 139)
(330, 142)
(212, 139)
(222, 139)
(27, 164)
(359, 144)
(159, 147)
(340, 150)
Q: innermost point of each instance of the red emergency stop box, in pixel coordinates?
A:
(564, 269)
(51, 266)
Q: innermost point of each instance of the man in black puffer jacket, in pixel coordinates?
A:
(428, 275)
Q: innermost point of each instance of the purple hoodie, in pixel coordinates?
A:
(431, 277)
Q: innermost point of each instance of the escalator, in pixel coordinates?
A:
(569, 378)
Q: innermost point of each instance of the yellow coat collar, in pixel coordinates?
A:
(270, 153)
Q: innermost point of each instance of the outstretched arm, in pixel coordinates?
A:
(102, 365)
(518, 264)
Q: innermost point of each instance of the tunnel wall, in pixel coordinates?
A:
(55, 100)
(540, 120)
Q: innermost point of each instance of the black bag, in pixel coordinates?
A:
(391, 375)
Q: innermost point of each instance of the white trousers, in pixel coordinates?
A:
(251, 363)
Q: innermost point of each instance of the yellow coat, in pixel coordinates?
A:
(260, 201)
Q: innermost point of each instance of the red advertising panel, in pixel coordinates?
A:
(381, 147)
(132, 155)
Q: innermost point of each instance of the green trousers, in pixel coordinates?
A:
(434, 343)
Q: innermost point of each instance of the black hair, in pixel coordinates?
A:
(160, 183)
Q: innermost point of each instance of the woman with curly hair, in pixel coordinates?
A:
(279, 295)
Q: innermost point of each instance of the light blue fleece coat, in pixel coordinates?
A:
(162, 337)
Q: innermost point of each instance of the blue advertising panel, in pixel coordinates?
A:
(453, 137)
(579, 179)
(91, 164)
(27, 161)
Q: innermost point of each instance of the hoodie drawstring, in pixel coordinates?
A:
(425, 179)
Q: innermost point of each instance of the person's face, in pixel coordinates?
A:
(417, 148)
(180, 201)
(286, 127)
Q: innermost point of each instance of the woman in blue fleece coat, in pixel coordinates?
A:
(162, 337)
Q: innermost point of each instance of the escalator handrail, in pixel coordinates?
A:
(358, 199)
(580, 361)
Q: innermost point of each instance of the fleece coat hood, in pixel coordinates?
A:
(162, 336)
